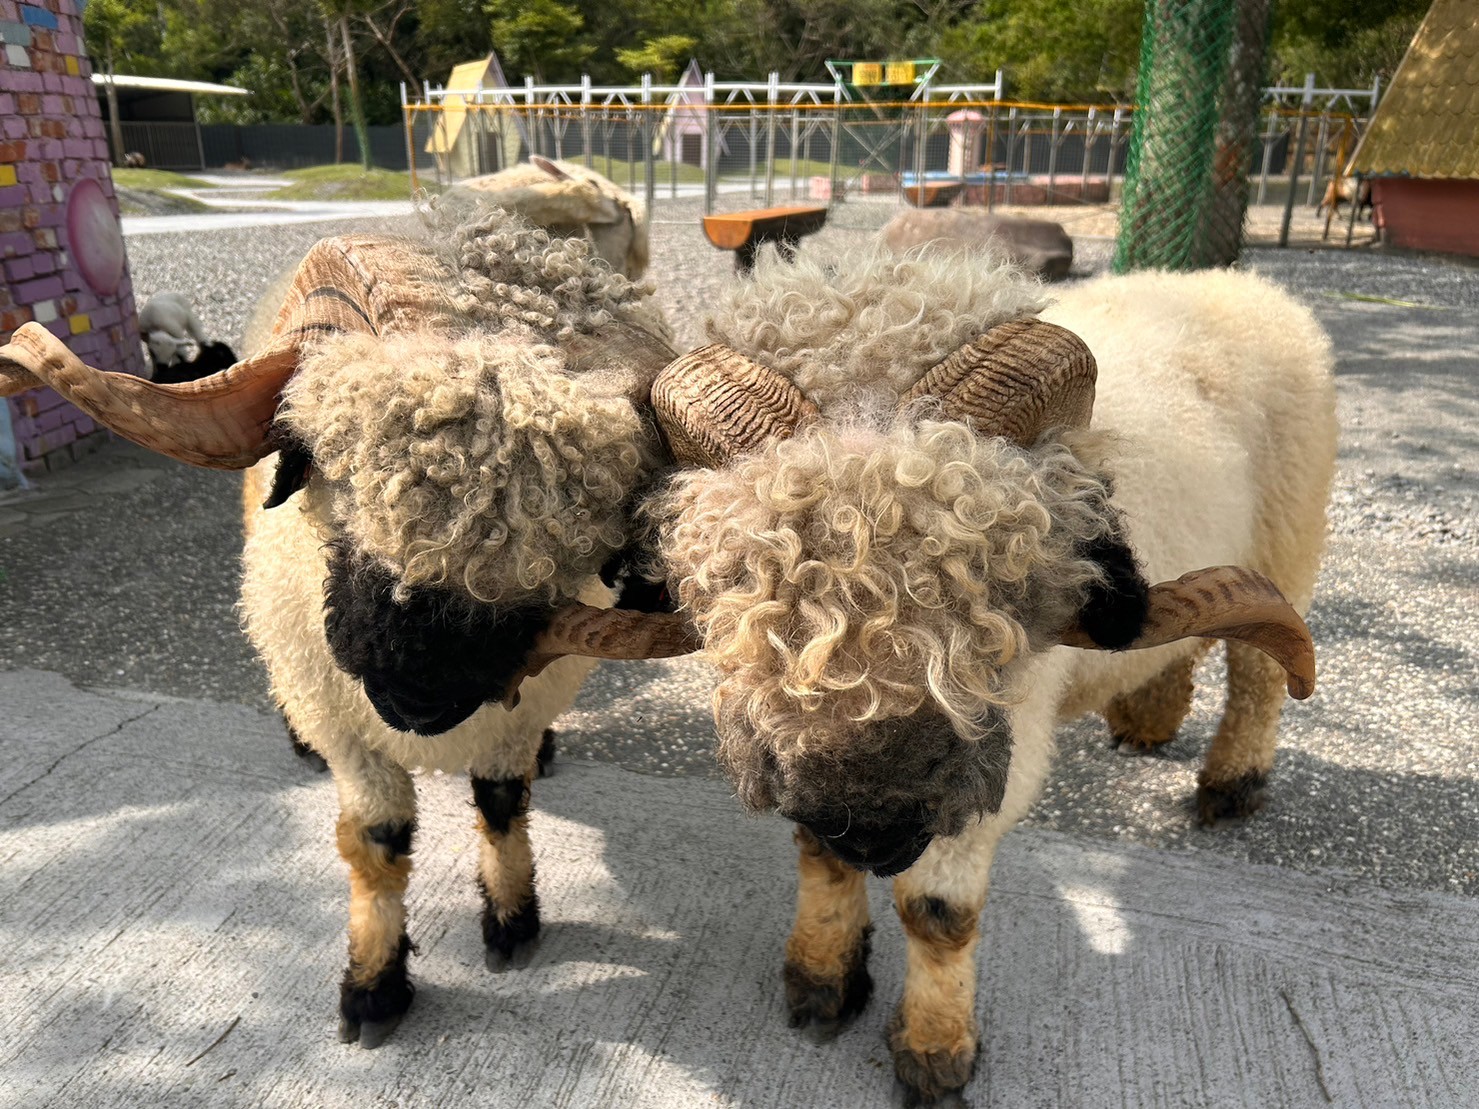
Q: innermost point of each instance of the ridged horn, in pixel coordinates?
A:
(714, 403)
(614, 633)
(1227, 602)
(221, 421)
(1016, 380)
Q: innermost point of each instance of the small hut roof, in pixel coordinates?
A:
(1428, 122)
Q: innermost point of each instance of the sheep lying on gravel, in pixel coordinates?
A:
(169, 325)
(445, 443)
(567, 199)
(899, 513)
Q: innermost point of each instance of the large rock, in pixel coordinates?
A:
(1039, 245)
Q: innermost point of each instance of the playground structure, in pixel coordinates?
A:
(739, 144)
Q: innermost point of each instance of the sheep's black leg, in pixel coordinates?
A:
(506, 870)
(1143, 720)
(375, 992)
(311, 758)
(826, 972)
(545, 760)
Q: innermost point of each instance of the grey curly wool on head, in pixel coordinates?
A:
(463, 446)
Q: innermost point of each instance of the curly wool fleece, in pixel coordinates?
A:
(476, 463)
(855, 329)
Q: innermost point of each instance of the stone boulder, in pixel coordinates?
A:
(1038, 245)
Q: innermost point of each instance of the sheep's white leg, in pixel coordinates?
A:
(377, 818)
(1242, 753)
(506, 868)
(1150, 716)
(933, 1035)
(826, 970)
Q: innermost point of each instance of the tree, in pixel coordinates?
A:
(117, 32)
(1344, 45)
(664, 57)
(1061, 50)
(539, 37)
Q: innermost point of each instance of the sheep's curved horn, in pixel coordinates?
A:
(1016, 380)
(221, 421)
(614, 633)
(714, 403)
(1227, 602)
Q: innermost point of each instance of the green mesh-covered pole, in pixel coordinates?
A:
(1169, 178)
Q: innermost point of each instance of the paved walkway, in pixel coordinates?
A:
(172, 915)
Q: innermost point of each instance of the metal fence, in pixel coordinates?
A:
(739, 145)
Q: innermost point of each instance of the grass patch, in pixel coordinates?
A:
(156, 179)
(344, 182)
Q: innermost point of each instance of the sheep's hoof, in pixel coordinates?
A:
(933, 1077)
(1234, 800)
(510, 943)
(369, 1011)
(545, 759)
(370, 1034)
(1136, 745)
(497, 960)
(824, 1006)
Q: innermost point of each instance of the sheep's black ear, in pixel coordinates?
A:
(1115, 609)
(293, 465)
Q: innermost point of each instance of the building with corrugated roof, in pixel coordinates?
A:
(1421, 150)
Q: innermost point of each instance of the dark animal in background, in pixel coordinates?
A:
(211, 358)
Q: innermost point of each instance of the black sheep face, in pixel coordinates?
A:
(429, 661)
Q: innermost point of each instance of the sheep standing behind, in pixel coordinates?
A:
(569, 200)
(883, 586)
(169, 325)
(448, 438)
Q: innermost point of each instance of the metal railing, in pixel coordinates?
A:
(748, 144)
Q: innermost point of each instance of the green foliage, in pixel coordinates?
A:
(284, 51)
(1059, 50)
(665, 57)
(539, 37)
(1344, 45)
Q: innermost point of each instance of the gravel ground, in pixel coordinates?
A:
(121, 573)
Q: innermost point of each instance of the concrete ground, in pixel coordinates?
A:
(172, 911)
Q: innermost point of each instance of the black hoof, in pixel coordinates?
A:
(369, 1035)
(930, 1077)
(510, 943)
(369, 1012)
(545, 760)
(1234, 800)
(825, 1006)
(497, 961)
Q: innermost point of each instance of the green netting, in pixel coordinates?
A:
(1186, 180)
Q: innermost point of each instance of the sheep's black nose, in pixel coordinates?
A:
(882, 849)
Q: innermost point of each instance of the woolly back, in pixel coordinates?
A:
(855, 328)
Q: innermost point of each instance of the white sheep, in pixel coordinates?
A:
(908, 512)
(568, 199)
(450, 438)
(169, 325)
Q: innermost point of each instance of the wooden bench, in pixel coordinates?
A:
(933, 194)
(745, 232)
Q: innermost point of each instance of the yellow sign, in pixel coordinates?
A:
(867, 73)
(899, 73)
